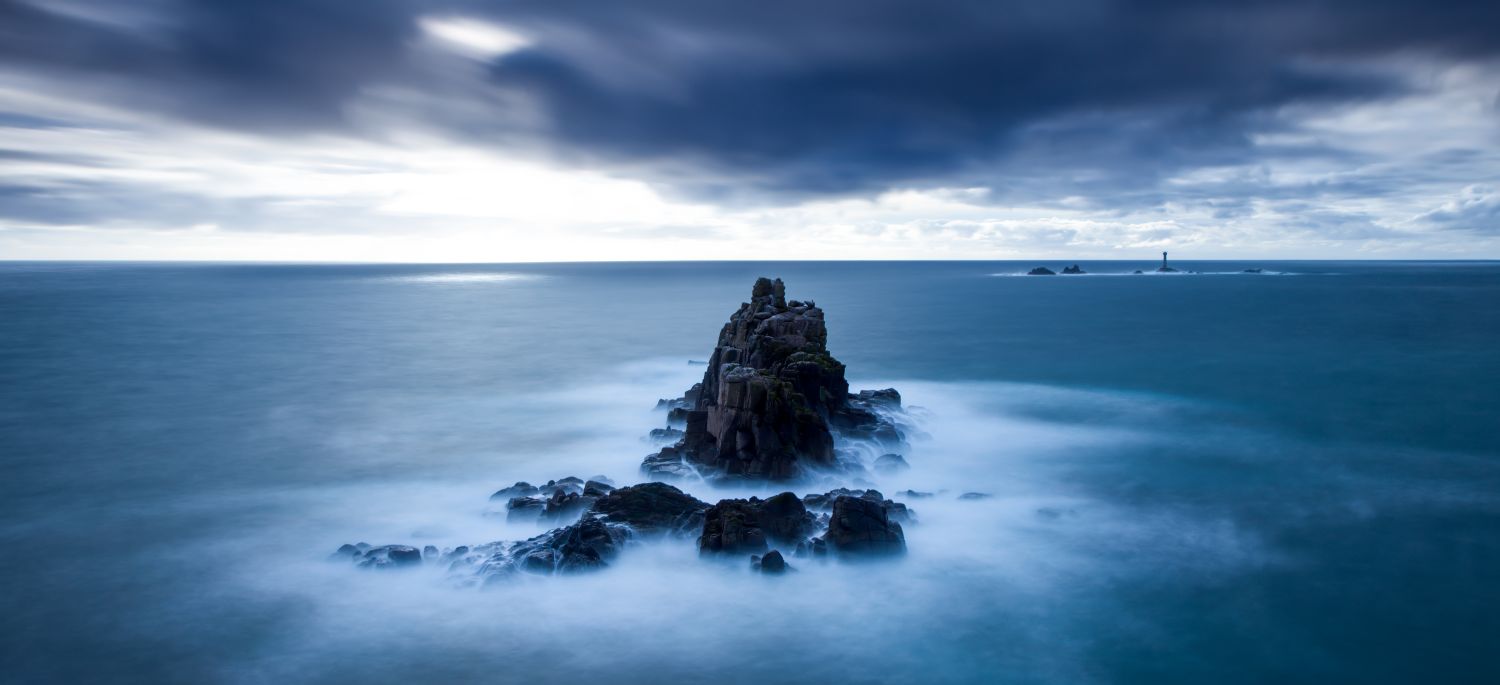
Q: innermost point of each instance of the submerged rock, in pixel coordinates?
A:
(861, 526)
(770, 399)
(891, 463)
(975, 496)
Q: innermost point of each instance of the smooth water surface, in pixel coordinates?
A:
(1291, 476)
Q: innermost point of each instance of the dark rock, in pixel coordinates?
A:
(667, 464)
(665, 435)
(824, 502)
(565, 507)
(1252, 271)
(520, 489)
(764, 407)
(1073, 270)
(861, 526)
(390, 556)
(1139, 271)
(347, 551)
(886, 398)
(913, 494)
(1041, 271)
(731, 527)
(651, 509)
(430, 553)
(737, 526)
(772, 562)
(975, 496)
(565, 485)
(522, 509)
(602, 479)
(890, 463)
(594, 488)
(586, 545)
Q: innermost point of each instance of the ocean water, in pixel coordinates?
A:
(1291, 476)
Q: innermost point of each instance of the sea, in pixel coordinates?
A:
(1209, 476)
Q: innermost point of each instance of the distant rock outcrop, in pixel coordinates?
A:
(770, 400)
(1041, 271)
(1073, 270)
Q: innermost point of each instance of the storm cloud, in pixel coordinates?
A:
(1104, 104)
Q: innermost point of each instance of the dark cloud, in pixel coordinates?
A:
(792, 98)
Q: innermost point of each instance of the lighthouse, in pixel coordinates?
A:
(1164, 268)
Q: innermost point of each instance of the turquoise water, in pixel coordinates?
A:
(1212, 477)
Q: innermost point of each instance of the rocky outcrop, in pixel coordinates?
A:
(1041, 271)
(744, 526)
(860, 526)
(1073, 270)
(770, 400)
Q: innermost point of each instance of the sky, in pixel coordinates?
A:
(559, 130)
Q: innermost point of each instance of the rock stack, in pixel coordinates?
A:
(770, 400)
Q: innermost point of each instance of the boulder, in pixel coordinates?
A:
(861, 527)
(772, 563)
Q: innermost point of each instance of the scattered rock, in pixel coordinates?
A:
(913, 494)
(975, 496)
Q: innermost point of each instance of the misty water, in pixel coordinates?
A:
(1291, 476)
